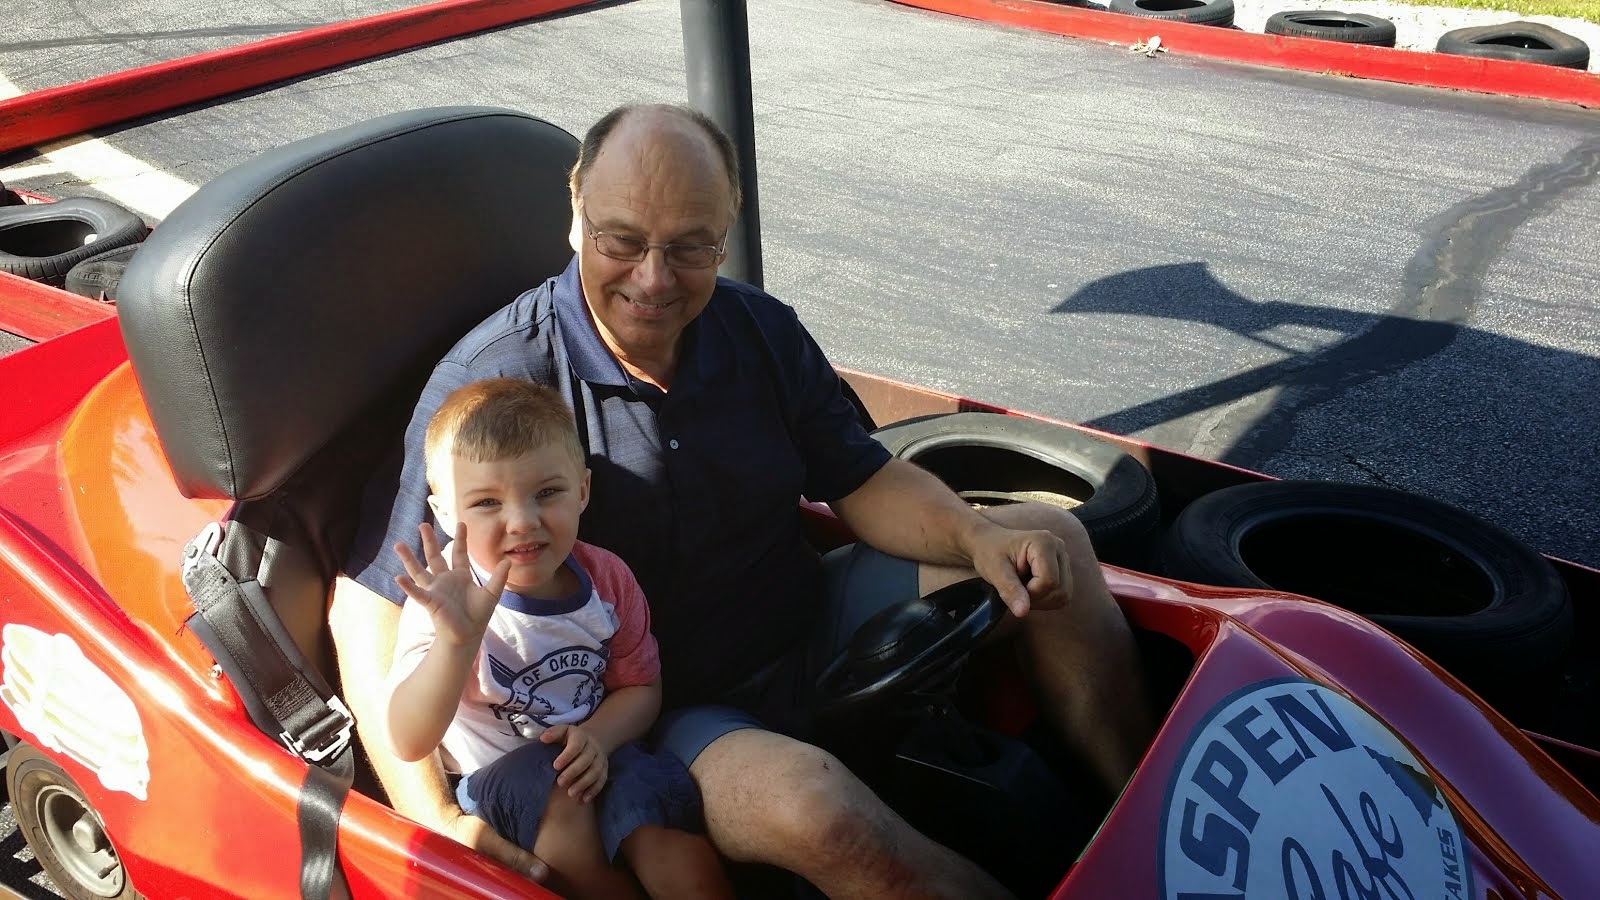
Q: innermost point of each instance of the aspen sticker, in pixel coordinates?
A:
(1289, 789)
(68, 705)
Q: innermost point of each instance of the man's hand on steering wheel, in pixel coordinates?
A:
(1029, 568)
(477, 834)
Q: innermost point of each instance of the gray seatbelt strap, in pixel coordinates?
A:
(285, 697)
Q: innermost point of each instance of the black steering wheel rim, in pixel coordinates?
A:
(906, 644)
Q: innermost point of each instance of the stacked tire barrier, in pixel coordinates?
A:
(80, 243)
(1530, 42)
(1519, 41)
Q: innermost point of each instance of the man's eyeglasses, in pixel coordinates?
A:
(678, 256)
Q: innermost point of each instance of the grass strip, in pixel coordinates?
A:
(1588, 10)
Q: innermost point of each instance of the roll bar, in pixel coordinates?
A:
(716, 54)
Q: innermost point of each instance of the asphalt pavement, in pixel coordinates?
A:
(1306, 275)
(1302, 274)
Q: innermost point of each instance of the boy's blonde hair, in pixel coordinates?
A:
(496, 419)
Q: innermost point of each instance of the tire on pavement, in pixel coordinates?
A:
(1482, 604)
(1519, 41)
(1332, 25)
(991, 459)
(1197, 12)
(98, 276)
(43, 241)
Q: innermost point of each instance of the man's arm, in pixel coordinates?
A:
(904, 511)
(364, 627)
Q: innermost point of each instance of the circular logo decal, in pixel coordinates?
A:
(1289, 789)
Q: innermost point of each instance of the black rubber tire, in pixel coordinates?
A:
(1476, 600)
(43, 241)
(1196, 12)
(1004, 456)
(98, 276)
(38, 789)
(1331, 25)
(1519, 41)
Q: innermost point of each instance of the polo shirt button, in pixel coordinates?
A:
(673, 443)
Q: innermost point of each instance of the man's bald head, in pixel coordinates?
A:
(658, 123)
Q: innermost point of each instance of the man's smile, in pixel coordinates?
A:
(648, 308)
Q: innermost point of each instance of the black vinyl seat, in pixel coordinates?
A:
(281, 320)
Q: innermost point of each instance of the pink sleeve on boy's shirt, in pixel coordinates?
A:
(634, 659)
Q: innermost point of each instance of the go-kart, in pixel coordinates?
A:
(208, 443)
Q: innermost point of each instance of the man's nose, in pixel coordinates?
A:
(652, 273)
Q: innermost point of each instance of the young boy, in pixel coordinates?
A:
(528, 657)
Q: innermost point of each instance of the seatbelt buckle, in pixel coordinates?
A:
(202, 545)
(327, 738)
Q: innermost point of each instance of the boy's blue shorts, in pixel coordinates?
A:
(860, 582)
(642, 788)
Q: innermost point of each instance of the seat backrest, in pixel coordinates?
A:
(282, 319)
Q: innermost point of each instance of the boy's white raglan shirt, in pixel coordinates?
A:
(542, 662)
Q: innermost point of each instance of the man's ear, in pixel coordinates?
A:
(575, 236)
(442, 514)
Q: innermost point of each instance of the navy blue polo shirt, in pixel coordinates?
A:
(697, 488)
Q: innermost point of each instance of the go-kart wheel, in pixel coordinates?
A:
(63, 830)
(904, 646)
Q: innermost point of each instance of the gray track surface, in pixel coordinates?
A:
(1305, 275)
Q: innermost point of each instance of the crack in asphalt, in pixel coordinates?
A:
(1370, 472)
(1442, 284)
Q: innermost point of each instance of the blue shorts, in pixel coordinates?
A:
(641, 788)
(860, 582)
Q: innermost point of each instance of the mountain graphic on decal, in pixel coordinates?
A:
(1416, 785)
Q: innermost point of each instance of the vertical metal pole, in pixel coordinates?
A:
(716, 51)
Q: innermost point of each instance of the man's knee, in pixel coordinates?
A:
(832, 815)
(1034, 516)
(780, 800)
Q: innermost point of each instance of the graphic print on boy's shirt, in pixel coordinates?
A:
(568, 680)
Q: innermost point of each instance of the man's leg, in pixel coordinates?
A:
(1082, 658)
(772, 799)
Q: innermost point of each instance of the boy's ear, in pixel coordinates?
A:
(441, 514)
(583, 492)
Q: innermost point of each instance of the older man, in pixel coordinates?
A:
(708, 411)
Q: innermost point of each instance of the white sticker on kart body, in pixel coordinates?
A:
(67, 704)
(1289, 789)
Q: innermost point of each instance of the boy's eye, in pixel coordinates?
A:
(486, 502)
(547, 493)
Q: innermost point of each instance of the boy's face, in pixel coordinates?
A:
(523, 508)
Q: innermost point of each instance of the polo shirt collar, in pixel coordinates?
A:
(591, 359)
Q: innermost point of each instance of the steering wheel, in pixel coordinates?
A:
(904, 645)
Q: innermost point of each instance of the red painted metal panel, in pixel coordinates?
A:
(39, 312)
(1489, 76)
(44, 383)
(74, 108)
